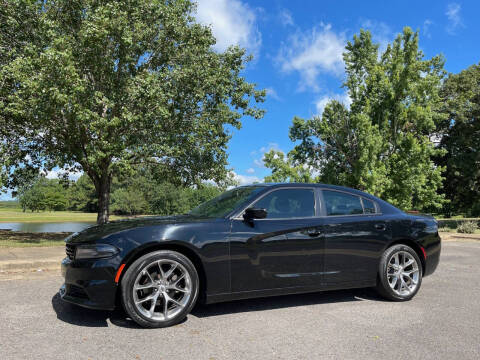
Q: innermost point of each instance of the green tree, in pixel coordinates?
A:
(43, 194)
(81, 195)
(460, 138)
(55, 195)
(382, 144)
(128, 201)
(31, 197)
(201, 194)
(286, 169)
(102, 86)
(18, 22)
(169, 199)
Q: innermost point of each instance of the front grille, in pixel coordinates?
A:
(70, 251)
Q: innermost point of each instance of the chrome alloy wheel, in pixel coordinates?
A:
(162, 289)
(403, 273)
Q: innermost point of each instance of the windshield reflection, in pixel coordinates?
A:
(225, 203)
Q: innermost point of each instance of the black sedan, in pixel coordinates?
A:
(252, 241)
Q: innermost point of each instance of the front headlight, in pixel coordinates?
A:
(96, 251)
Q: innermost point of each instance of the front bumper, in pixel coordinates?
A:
(89, 283)
(433, 257)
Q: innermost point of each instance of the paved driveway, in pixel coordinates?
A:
(441, 322)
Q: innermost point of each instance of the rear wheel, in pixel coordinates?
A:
(159, 289)
(400, 273)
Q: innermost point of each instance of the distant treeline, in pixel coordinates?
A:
(138, 194)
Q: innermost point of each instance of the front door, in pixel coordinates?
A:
(283, 250)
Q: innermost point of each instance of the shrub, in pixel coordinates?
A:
(467, 227)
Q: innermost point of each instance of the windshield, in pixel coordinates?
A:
(226, 202)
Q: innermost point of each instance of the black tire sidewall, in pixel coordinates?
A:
(383, 286)
(129, 279)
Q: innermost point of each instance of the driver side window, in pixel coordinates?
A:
(288, 203)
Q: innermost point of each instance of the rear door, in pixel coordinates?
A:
(355, 235)
(283, 250)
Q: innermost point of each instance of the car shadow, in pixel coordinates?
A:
(79, 316)
(285, 301)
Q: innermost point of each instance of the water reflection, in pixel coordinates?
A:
(47, 227)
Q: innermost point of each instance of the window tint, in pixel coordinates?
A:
(226, 202)
(368, 206)
(338, 203)
(288, 203)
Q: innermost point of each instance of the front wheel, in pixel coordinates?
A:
(399, 274)
(159, 289)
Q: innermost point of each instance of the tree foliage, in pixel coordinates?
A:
(43, 194)
(382, 143)
(460, 138)
(285, 168)
(135, 195)
(82, 195)
(102, 86)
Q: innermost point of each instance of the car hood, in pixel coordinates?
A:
(99, 231)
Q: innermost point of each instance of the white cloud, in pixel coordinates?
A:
(233, 23)
(250, 170)
(381, 33)
(245, 179)
(272, 93)
(286, 17)
(426, 28)
(57, 173)
(454, 18)
(323, 101)
(312, 53)
(260, 153)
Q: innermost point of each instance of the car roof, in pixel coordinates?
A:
(295, 184)
(385, 206)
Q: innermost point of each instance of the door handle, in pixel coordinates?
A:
(313, 232)
(380, 226)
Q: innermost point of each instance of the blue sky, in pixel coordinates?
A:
(298, 49)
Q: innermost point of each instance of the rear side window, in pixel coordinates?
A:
(288, 203)
(368, 206)
(339, 203)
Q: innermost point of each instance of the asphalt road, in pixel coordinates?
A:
(441, 322)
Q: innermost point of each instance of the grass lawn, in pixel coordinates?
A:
(25, 239)
(17, 215)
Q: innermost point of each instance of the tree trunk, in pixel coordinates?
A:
(103, 194)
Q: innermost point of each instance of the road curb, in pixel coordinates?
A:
(24, 266)
(30, 259)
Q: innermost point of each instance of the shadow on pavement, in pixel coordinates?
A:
(286, 301)
(79, 316)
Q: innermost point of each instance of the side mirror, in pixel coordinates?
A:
(252, 213)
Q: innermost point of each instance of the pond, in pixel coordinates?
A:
(47, 227)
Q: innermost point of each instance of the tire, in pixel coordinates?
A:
(392, 272)
(157, 284)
